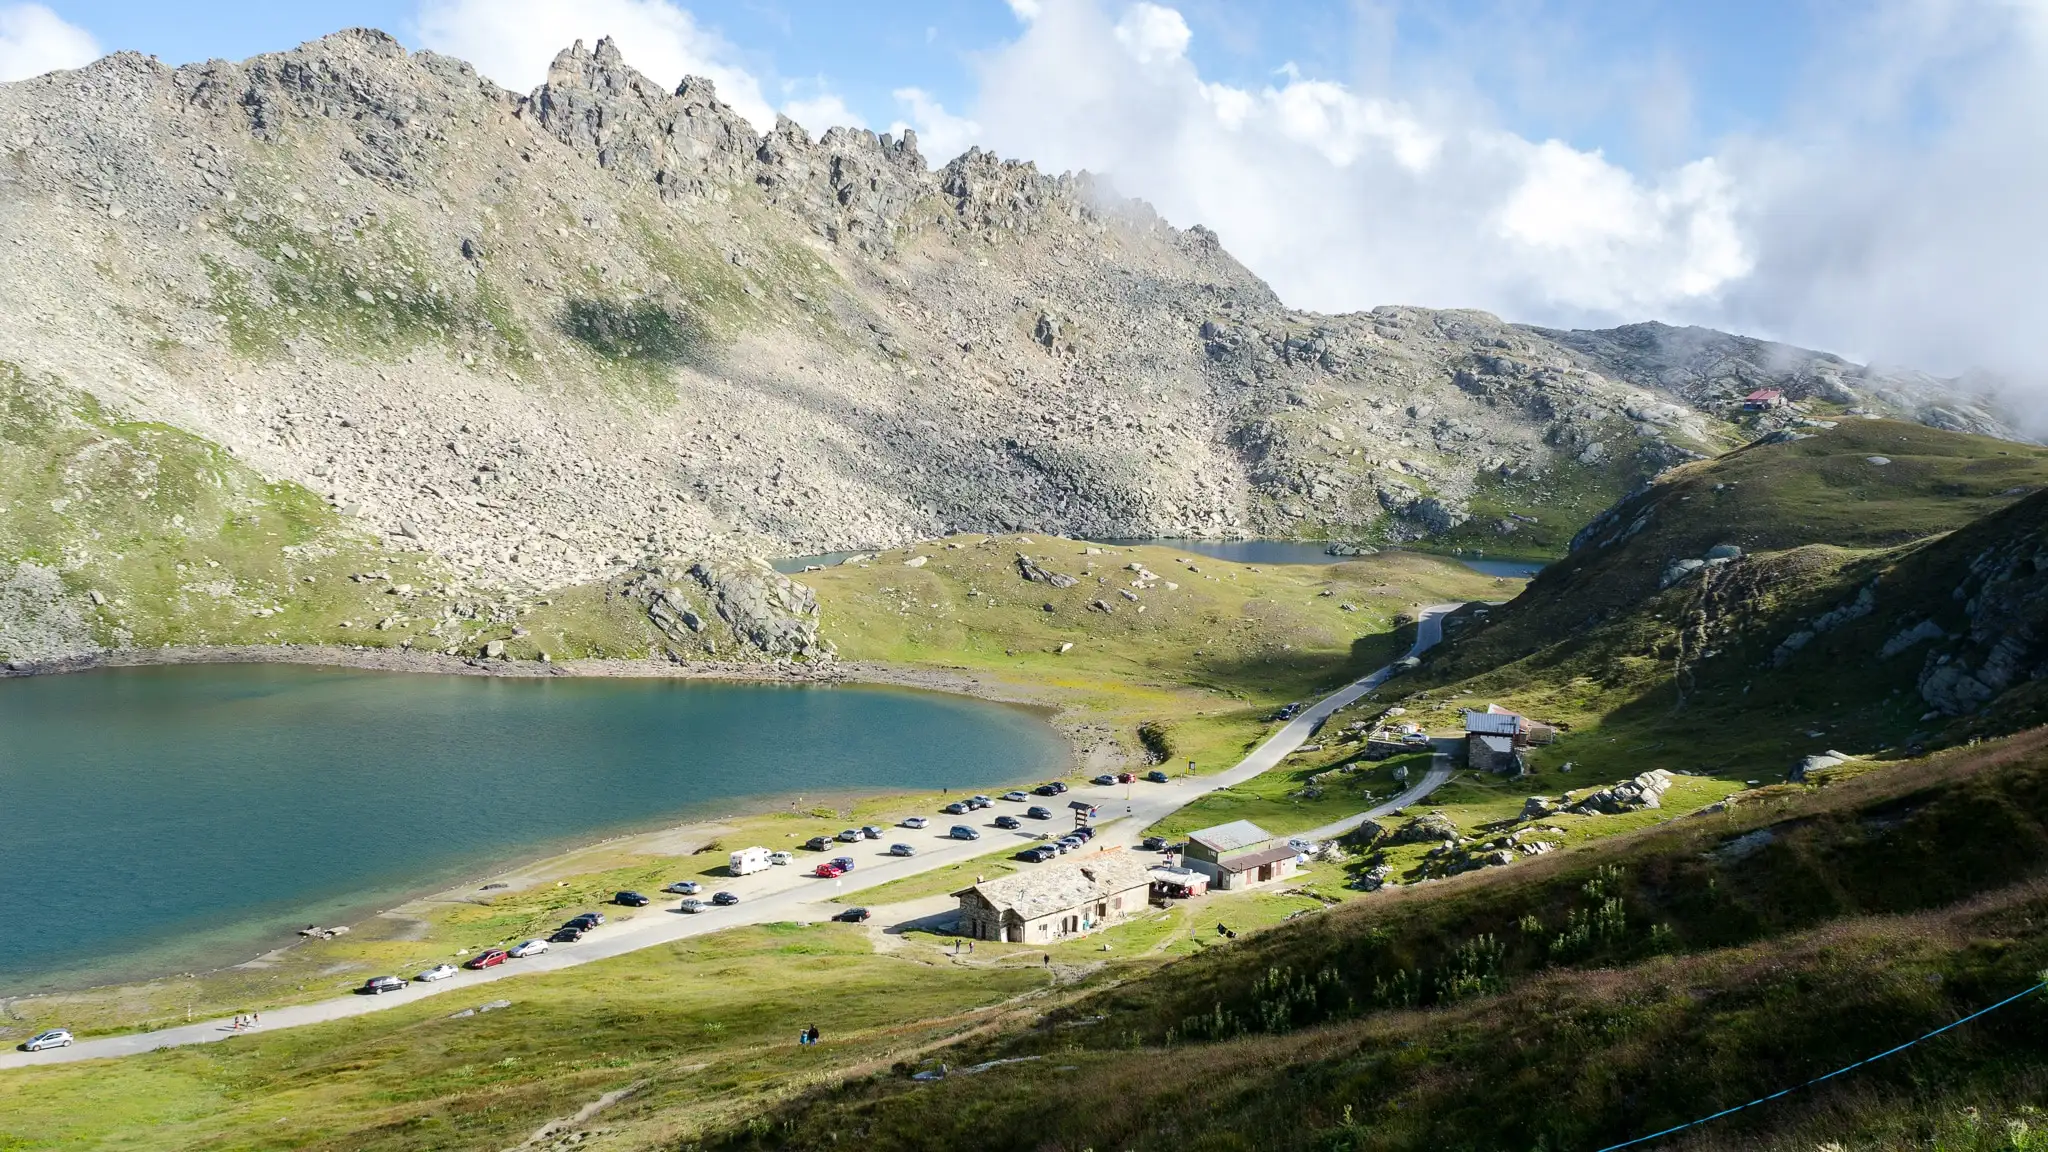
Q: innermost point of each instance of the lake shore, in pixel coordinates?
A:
(1088, 746)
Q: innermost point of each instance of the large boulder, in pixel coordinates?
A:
(1645, 791)
(1426, 829)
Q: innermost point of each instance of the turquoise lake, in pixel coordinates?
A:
(165, 819)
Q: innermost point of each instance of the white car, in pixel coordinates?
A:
(437, 972)
(530, 948)
(684, 888)
(54, 1038)
(692, 906)
(916, 822)
(781, 858)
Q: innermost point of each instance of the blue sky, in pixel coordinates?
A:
(1579, 83)
(1856, 175)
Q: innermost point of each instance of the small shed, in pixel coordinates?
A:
(1207, 848)
(1763, 399)
(1486, 752)
(1251, 869)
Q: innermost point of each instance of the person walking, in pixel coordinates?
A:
(814, 1034)
(1048, 959)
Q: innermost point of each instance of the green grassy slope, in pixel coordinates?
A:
(1570, 1003)
(1697, 676)
(1199, 667)
(116, 533)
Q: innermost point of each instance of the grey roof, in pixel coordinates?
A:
(1493, 723)
(1055, 887)
(1251, 860)
(1231, 837)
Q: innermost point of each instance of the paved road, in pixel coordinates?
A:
(1440, 768)
(788, 894)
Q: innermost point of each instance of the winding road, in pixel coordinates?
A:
(792, 894)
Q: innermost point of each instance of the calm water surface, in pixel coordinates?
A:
(157, 819)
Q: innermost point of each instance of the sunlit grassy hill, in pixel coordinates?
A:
(1570, 1003)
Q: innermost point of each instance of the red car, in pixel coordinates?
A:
(1127, 778)
(829, 871)
(490, 959)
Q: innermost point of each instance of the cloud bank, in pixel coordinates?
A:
(1891, 216)
(35, 40)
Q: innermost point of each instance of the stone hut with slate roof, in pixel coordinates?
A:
(1057, 900)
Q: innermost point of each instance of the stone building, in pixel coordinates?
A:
(1058, 899)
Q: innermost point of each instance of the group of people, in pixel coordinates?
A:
(244, 1023)
(808, 1036)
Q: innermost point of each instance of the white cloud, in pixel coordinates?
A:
(1344, 199)
(1152, 33)
(1893, 216)
(35, 40)
(512, 42)
(822, 111)
(940, 135)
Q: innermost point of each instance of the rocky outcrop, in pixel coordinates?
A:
(1429, 828)
(750, 610)
(1645, 791)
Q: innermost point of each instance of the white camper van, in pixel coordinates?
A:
(748, 861)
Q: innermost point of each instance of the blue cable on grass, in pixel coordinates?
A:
(1831, 1075)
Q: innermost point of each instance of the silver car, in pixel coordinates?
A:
(692, 906)
(916, 822)
(54, 1038)
(437, 972)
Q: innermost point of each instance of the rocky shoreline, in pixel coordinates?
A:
(1086, 744)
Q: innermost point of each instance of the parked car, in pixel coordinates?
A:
(1084, 833)
(843, 863)
(1045, 790)
(724, 899)
(780, 858)
(1153, 844)
(1127, 777)
(1071, 842)
(1008, 822)
(963, 832)
(853, 916)
(1058, 789)
(378, 985)
(870, 832)
(692, 906)
(902, 850)
(1038, 813)
(956, 808)
(980, 802)
(437, 972)
(1015, 797)
(1156, 776)
(631, 899)
(529, 948)
(818, 843)
(850, 836)
(54, 1038)
(1105, 780)
(568, 934)
(1037, 854)
(684, 888)
(916, 822)
(828, 871)
(588, 920)
(488, 958)
(1289, 712)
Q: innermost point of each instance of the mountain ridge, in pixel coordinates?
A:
(547, 336)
